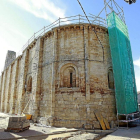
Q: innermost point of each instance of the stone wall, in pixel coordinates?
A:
(62, 78)
(79, 48)
(10, 57)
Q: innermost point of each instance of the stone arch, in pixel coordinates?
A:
(29, 84)
(110, 78)
(69, 76)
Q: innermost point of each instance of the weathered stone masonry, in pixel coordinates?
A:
(66, 75)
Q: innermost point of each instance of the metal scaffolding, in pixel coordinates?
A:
(122, 61)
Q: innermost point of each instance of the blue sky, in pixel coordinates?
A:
(19, 19)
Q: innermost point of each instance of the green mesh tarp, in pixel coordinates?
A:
(123, 69)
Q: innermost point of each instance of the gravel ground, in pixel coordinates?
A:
(85, 136)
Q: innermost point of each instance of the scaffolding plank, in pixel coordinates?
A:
(106, 123)
(100, 119)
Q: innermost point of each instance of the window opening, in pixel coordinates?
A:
(70, 79)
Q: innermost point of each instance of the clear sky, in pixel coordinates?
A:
(19, 19)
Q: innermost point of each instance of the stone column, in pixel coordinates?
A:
(54, 69)
(87, 73)
(21, 82)
(7, 103)
(36, 76)
(13, 91)
(3, 90)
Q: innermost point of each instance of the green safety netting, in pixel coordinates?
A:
(123, 69)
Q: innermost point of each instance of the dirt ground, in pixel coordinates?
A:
(65, 136)
(40, 132)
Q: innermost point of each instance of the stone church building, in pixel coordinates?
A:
(62, 78)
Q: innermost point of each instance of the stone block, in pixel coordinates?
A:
(88, 126)
(17, 124)
(96, 125)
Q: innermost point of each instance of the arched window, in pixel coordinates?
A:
(69, 76)
(110, 79)
(29, 84)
